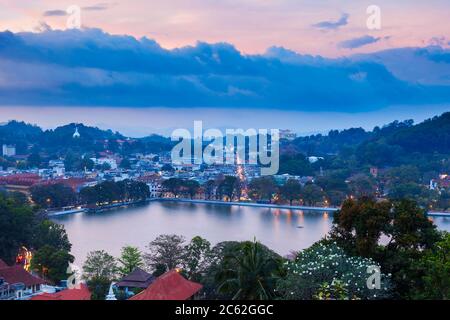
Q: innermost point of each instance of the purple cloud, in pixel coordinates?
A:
(55, 13)
(333, 25)
(358, 42)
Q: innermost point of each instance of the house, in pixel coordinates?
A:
(17, 283)
(82, 293)
(169, 286)
(154, 183)
(9, 150)
(21, 182)
(138, 279)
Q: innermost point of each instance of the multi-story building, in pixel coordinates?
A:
(9, 150)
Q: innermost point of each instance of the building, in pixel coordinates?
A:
(21, 182)
(9, 150)
(374, 172)
(109, 161)
(314, 159)
(82, 293)
(154, 183)
(18, 284)
(76, 134)
(138, 279)
(169, 286)
(288, 135)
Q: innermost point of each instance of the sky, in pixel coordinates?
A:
(310, 61)
(305, 26)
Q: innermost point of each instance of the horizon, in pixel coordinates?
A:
(167, 131)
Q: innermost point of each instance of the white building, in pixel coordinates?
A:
(288, 135)
(111, 162)
(9, 150)
(314, 159)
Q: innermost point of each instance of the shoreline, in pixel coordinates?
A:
(248, 204)
(193, 201)
(217, 202)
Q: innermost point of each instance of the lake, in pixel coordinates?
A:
(280, 229)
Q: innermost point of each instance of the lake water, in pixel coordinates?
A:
(281, 230)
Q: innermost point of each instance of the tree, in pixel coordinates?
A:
(125, 164)
(312, 194)
(291, 190)
(359, 225)
(192, 187)
(52, 234)
(296, 165)
(99, 287)
(19, 198)
(87, 164)
(167, 168)
(436, 267)
(53, 196)
(72, 161)
(130, 259)
(336, 198)
(409, 190)
(34, 160)
(173, 185)
(196, 257)
(263, 188)
(99, 265)
(411, 228)
(324, 270)
(251, 273)
(361, 185)
(210, 187)
(229, 187)
(17, 224)
(52, 263)
(165, 250)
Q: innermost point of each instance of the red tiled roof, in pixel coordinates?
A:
(17, 274)
(22, 179)
(69, 294)
(169, 286)
(73, 183)
(3, 264)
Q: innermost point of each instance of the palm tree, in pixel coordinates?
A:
(251, 274)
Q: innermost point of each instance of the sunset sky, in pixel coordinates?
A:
(306, 26)
(308, 59)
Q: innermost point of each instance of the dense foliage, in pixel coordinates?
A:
(325, 266)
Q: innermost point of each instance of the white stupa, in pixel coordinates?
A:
(111, 295)
(76, 135)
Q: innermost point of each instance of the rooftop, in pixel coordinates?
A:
(169, 286)
(136, 279)
(82, 293)
(17, 274)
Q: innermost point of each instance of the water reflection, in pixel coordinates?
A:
(280, 229)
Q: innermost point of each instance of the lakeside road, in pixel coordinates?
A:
(225, 203)
(199, 201)
(248, 204)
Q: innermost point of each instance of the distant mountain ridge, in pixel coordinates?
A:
(428, 137)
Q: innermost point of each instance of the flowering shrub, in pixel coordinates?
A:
(325, 266)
